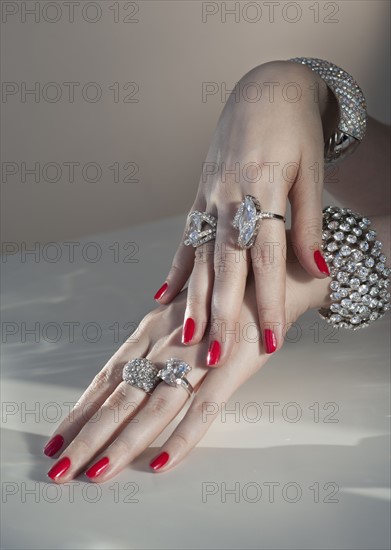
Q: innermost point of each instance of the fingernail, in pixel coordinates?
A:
(161, 292)
(59, 468)
(270, 341)
(159, 461)
(213, 354)
(188, 330)
(321, 263)
(98, 468)
(53, 445)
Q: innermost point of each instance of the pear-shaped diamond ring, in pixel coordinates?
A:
(247, 220)
(174, 374)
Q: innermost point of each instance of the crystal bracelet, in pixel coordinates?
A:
(359, 276)
(352, 108)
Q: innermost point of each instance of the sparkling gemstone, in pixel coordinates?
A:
(345, 250)
(371, 235)
(355, 296)
(247, 221)
(194, 228)
(342, 277)
(339, 236)
(346, 302)
(357, 231)
(332, 247)
(373, 277)
(338, 261)
(351, 220)
(351, 238)
(334, 285)
(369, 262)
(380, 267)
(362, 272)
(357, 255)
(174, 371)
(334, 307)
(382, 258)
(336, 318)
(333, 225)
(373, 316)
(355, 320)
(350, 267)
(354, 283)
(336, 296)
(363, 289)
(364, 246)
(344, 227)
(344, 292)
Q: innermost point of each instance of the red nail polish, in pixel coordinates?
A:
(321, 263)
(188, 331)
(213, 353)
(59, 468)
(159, 461)
(53, 445)
(161, 292)
(270, 341)
(98, 468)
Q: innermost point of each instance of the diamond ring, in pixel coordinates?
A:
(247, 220)
(141, 373)
(201, 228)
(174, 374)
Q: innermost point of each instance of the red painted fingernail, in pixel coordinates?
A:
(188, 330)
(270, 341)
(159, 461)
(213, 353)
(59, 468)
(53, 445)
(98, 468)
(161, 292)
(321, 263)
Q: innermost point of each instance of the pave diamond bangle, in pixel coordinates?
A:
(359, 276)
(352, 108)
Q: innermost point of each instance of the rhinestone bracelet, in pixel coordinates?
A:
(359, 276)
(352, 108)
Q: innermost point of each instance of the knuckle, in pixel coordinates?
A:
(81, 441)
(310, 227)
(158, 406)
(195, 300)
(102, 379)
(119, 398)
(181, 440)
(176, 271)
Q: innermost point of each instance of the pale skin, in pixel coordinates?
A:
(285, 139)
(361, 180)
(89, 438)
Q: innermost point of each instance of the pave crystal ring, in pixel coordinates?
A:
(174, 374)
(141, 373)
(247, 220)
(201, 228)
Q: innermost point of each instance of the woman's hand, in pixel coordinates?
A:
(271, 148)
(114, 422)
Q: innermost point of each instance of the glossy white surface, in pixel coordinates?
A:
(346, 381)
